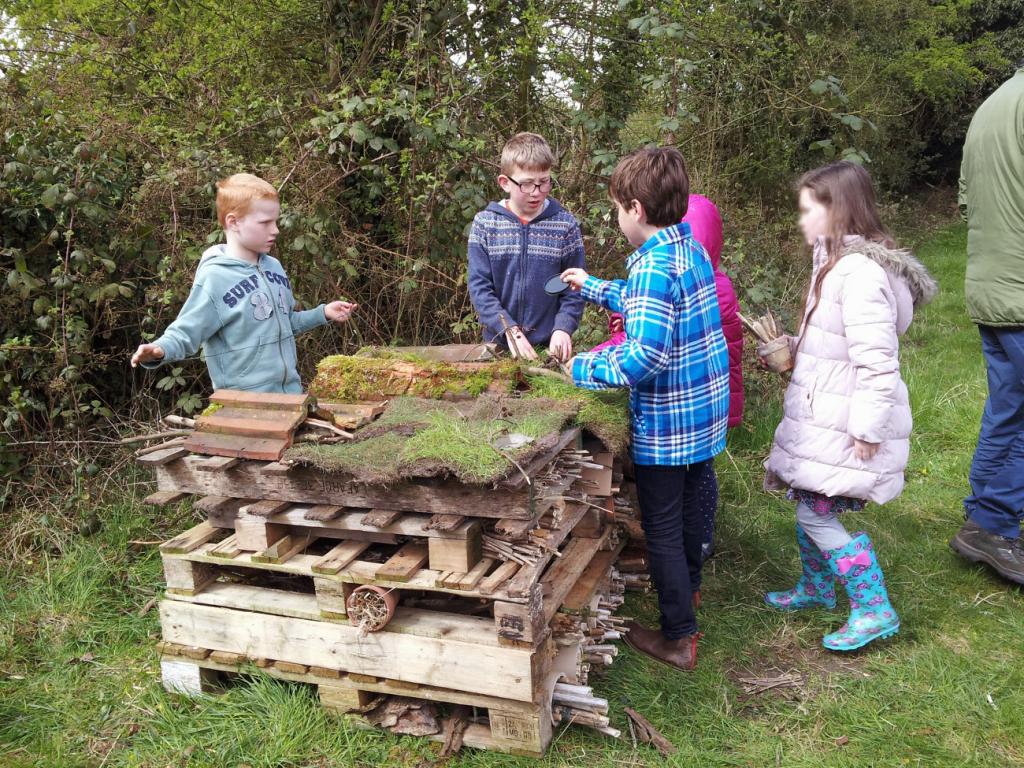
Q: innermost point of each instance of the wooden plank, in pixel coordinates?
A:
(237, 446)
(227, 657)
(323, 512)
(379, 518)
(338, 558)
(453, 579)
(265, 508)
(368, 409)
(213, 504)
(195, 652)
(356, 572)
(290, 667)
(217, 463)
(276, 400)
(473, 578)
(250, 422)
(351, 521)
(558, 581)
(504, 572)
(163, 498)
(444, 522)
(258, 602)
(283, 549)
(306, 485)
(227, 549)
(597, 571)
(165, 456)
(190, 539)
(357, 677)
(339, 679)
(405, 562)
(330, 674)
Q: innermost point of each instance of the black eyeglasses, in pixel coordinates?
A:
(532, 186)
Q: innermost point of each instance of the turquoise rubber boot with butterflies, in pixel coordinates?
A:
(816, 586)
(872, 616)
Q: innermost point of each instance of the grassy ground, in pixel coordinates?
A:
(79, 683)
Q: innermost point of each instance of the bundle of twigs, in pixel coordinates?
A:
(766, 328)
(524, 554)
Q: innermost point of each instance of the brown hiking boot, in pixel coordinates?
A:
(1005, 556)
(681, 653)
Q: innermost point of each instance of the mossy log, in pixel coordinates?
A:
(343, 378)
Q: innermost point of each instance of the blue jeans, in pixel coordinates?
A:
(674, 512)
(997, 472)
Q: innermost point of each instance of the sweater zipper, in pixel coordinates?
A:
(277, 315)
(522, 273)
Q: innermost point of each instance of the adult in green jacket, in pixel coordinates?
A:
(992, 201)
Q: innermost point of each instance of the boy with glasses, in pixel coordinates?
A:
(517, 245)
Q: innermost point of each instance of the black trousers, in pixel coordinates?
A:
(675, 503)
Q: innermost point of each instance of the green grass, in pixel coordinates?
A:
(79, 682)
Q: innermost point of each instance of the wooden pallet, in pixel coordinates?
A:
(425, 647)
(520, 601)
(509, 725)
(517, 498)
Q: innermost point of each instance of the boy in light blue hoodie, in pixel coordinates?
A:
(241, 310)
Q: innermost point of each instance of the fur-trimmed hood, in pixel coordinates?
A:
(899, 263)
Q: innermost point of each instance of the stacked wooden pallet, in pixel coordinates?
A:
(469, 614)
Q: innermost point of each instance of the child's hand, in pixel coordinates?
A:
(865, 451)
(560, 346)
(147, 353)
(339, 311)
(615, 325)
(575, 277)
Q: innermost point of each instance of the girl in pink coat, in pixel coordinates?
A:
(844, 436)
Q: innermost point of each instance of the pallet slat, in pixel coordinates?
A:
(338, 558)
(404, 563)
(190, 539)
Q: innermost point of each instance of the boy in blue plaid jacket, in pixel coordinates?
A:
(676, 365)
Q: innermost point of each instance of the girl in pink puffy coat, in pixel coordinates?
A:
(706, 225)
(845, 431)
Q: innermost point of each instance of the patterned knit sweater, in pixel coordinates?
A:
(509, 262)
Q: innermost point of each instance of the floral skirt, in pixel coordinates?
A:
(823, 505)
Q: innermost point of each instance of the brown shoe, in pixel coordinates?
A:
(681, 653)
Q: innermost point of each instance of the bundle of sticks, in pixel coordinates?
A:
(766, 328)
(524, 554)
(576, 704)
